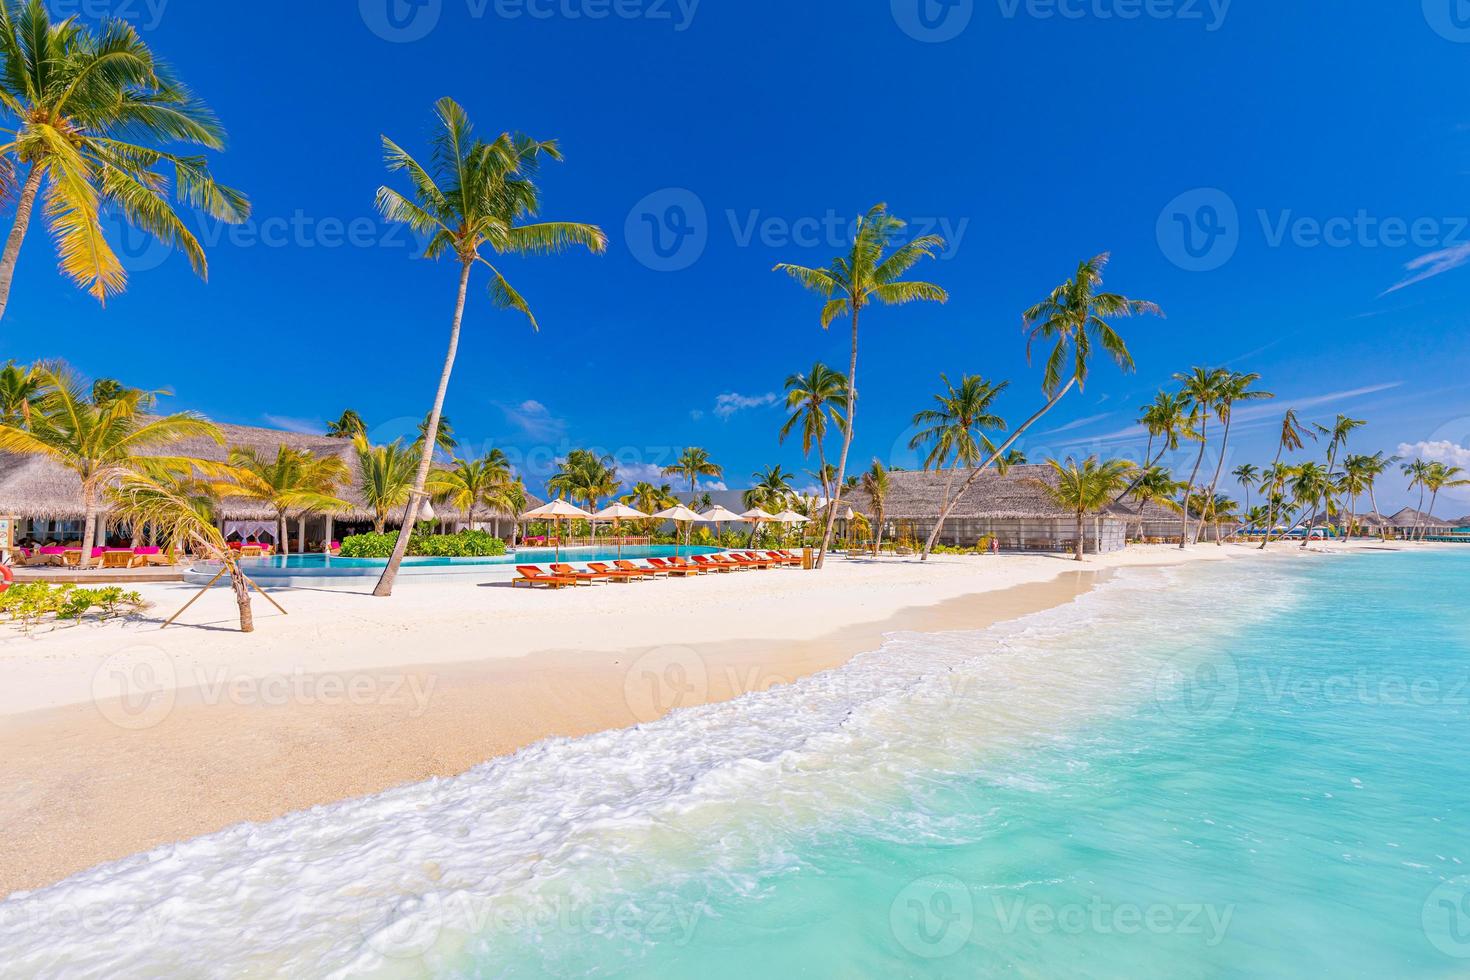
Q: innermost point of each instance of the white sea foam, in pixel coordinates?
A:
(415, 880)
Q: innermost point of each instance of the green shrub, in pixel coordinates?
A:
(26, 605)
(466, 544)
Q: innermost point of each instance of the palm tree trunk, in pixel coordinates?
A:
(1081, 532)
(242, 598)
(11, 255)
(89, 523)
(1189, 490)
(411, 513)
(1215, 483)
(1377, 518)
(1433, 499)
(1271, 498)
(835, 497)
(878, 532)
(1316, 509)
(283, 534)
(1419, 514)
(975, 474)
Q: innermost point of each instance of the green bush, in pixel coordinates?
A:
(28, 604)
(466, 544)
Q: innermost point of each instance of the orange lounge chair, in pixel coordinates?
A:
(619, 574)
(738, 562)
(783, 559)
(533, 576)
(632, 569)
(708, 563)
(758, 559)
(567, 571)
(678, 561)
(669, 568)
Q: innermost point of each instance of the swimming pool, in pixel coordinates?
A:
(317, 569)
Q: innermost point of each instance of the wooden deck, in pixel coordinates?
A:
(100, 576)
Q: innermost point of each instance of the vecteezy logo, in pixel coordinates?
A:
(1199, 230)
(401, 21)
(668, 230)
(1449, 18)
(1446, 917)
(405, 928)
(1191, 690)
(135, 688)
(933, 916)
(933, 21)
(664, 679)
(137, 250)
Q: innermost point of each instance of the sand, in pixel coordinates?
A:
(116, 738)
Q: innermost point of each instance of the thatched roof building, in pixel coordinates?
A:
(38, 488)
(1411, 519)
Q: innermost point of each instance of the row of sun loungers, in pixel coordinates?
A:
(562, 575)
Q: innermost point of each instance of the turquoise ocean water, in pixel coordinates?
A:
(1256, 768)
(1267, 776)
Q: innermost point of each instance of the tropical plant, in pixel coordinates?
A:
(1440, 477)
(1360, 474)
(1417, 471)
(1072, 318)
(1234, 387)
(650, 499)
(1154, 485)
(20, 389)
(99, 443)
(586, 476)
(692, 464)
(292, 480)
(1292, 437)
(1311, 484)
(470, 484)
(348, 426)
(851, 283)
(1085, 489)
(387, 475)
(178, 507)
(1337, 435)
(955, 430)
(1202, 389)
(876, 486)
(472, 197)
(1247, 475)
(81, 101)
(443, 441)
(771, 492)
(814, 399)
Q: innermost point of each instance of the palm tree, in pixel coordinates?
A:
(443, 440)
(349, 426)
(955, 429)
(814, 398)
(1360, 474)
(1439, 477)
(387, 474)
(692, 464)
(771, 492)
(99, 443)
(80, 100)
(1417, 472)
(1165, 421)
(1015, 457)
(1311, 485)
(471, 200)
(293, 480)
(586, 476)
(181, 510)
(1338, 433)
(650, 499)
(1246, 474)
(852, 283)
(20, 389)
(1222, 508)
(1289, 440)
(1154, 485)
(1072, 318)
(875, 484)
(1085, 489)
(1234, 387)
(469, 484)
(1202, 390)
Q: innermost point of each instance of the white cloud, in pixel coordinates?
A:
(535, 420)
(306, 427)
(729, 403)
(635, 472)
(1431, 265)
(1443, 451)
(696, 415)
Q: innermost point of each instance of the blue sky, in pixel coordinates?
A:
(1265, 172)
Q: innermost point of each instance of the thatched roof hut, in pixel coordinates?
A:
(37, 487)
(918, 495)
(1412, 518)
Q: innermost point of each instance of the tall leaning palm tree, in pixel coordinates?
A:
(93, 111)
(815, 399)
(474, 196)
(692, 464)
(1072, 318)
(954, 431)
(1417, 470)
(1441, 477)
(1311, 485)
(292, 480)
(1292, 437)
(100, 444)
(1085, 489)
(1247, 475)
(1338, 435)
(1364, 471)
(875, 485)
(867, 274)
(1201, 389)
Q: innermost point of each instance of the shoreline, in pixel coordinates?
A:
(103, 779)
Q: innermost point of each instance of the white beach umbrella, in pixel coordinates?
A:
(718, 516)
(789, 517)
(617, 513)
(557, 511)
(757, 517)
(679, 515)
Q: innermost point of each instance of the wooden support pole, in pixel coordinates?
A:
(191, 602)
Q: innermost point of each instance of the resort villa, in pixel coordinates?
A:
(45, 498)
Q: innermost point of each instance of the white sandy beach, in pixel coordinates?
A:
(122, 736)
